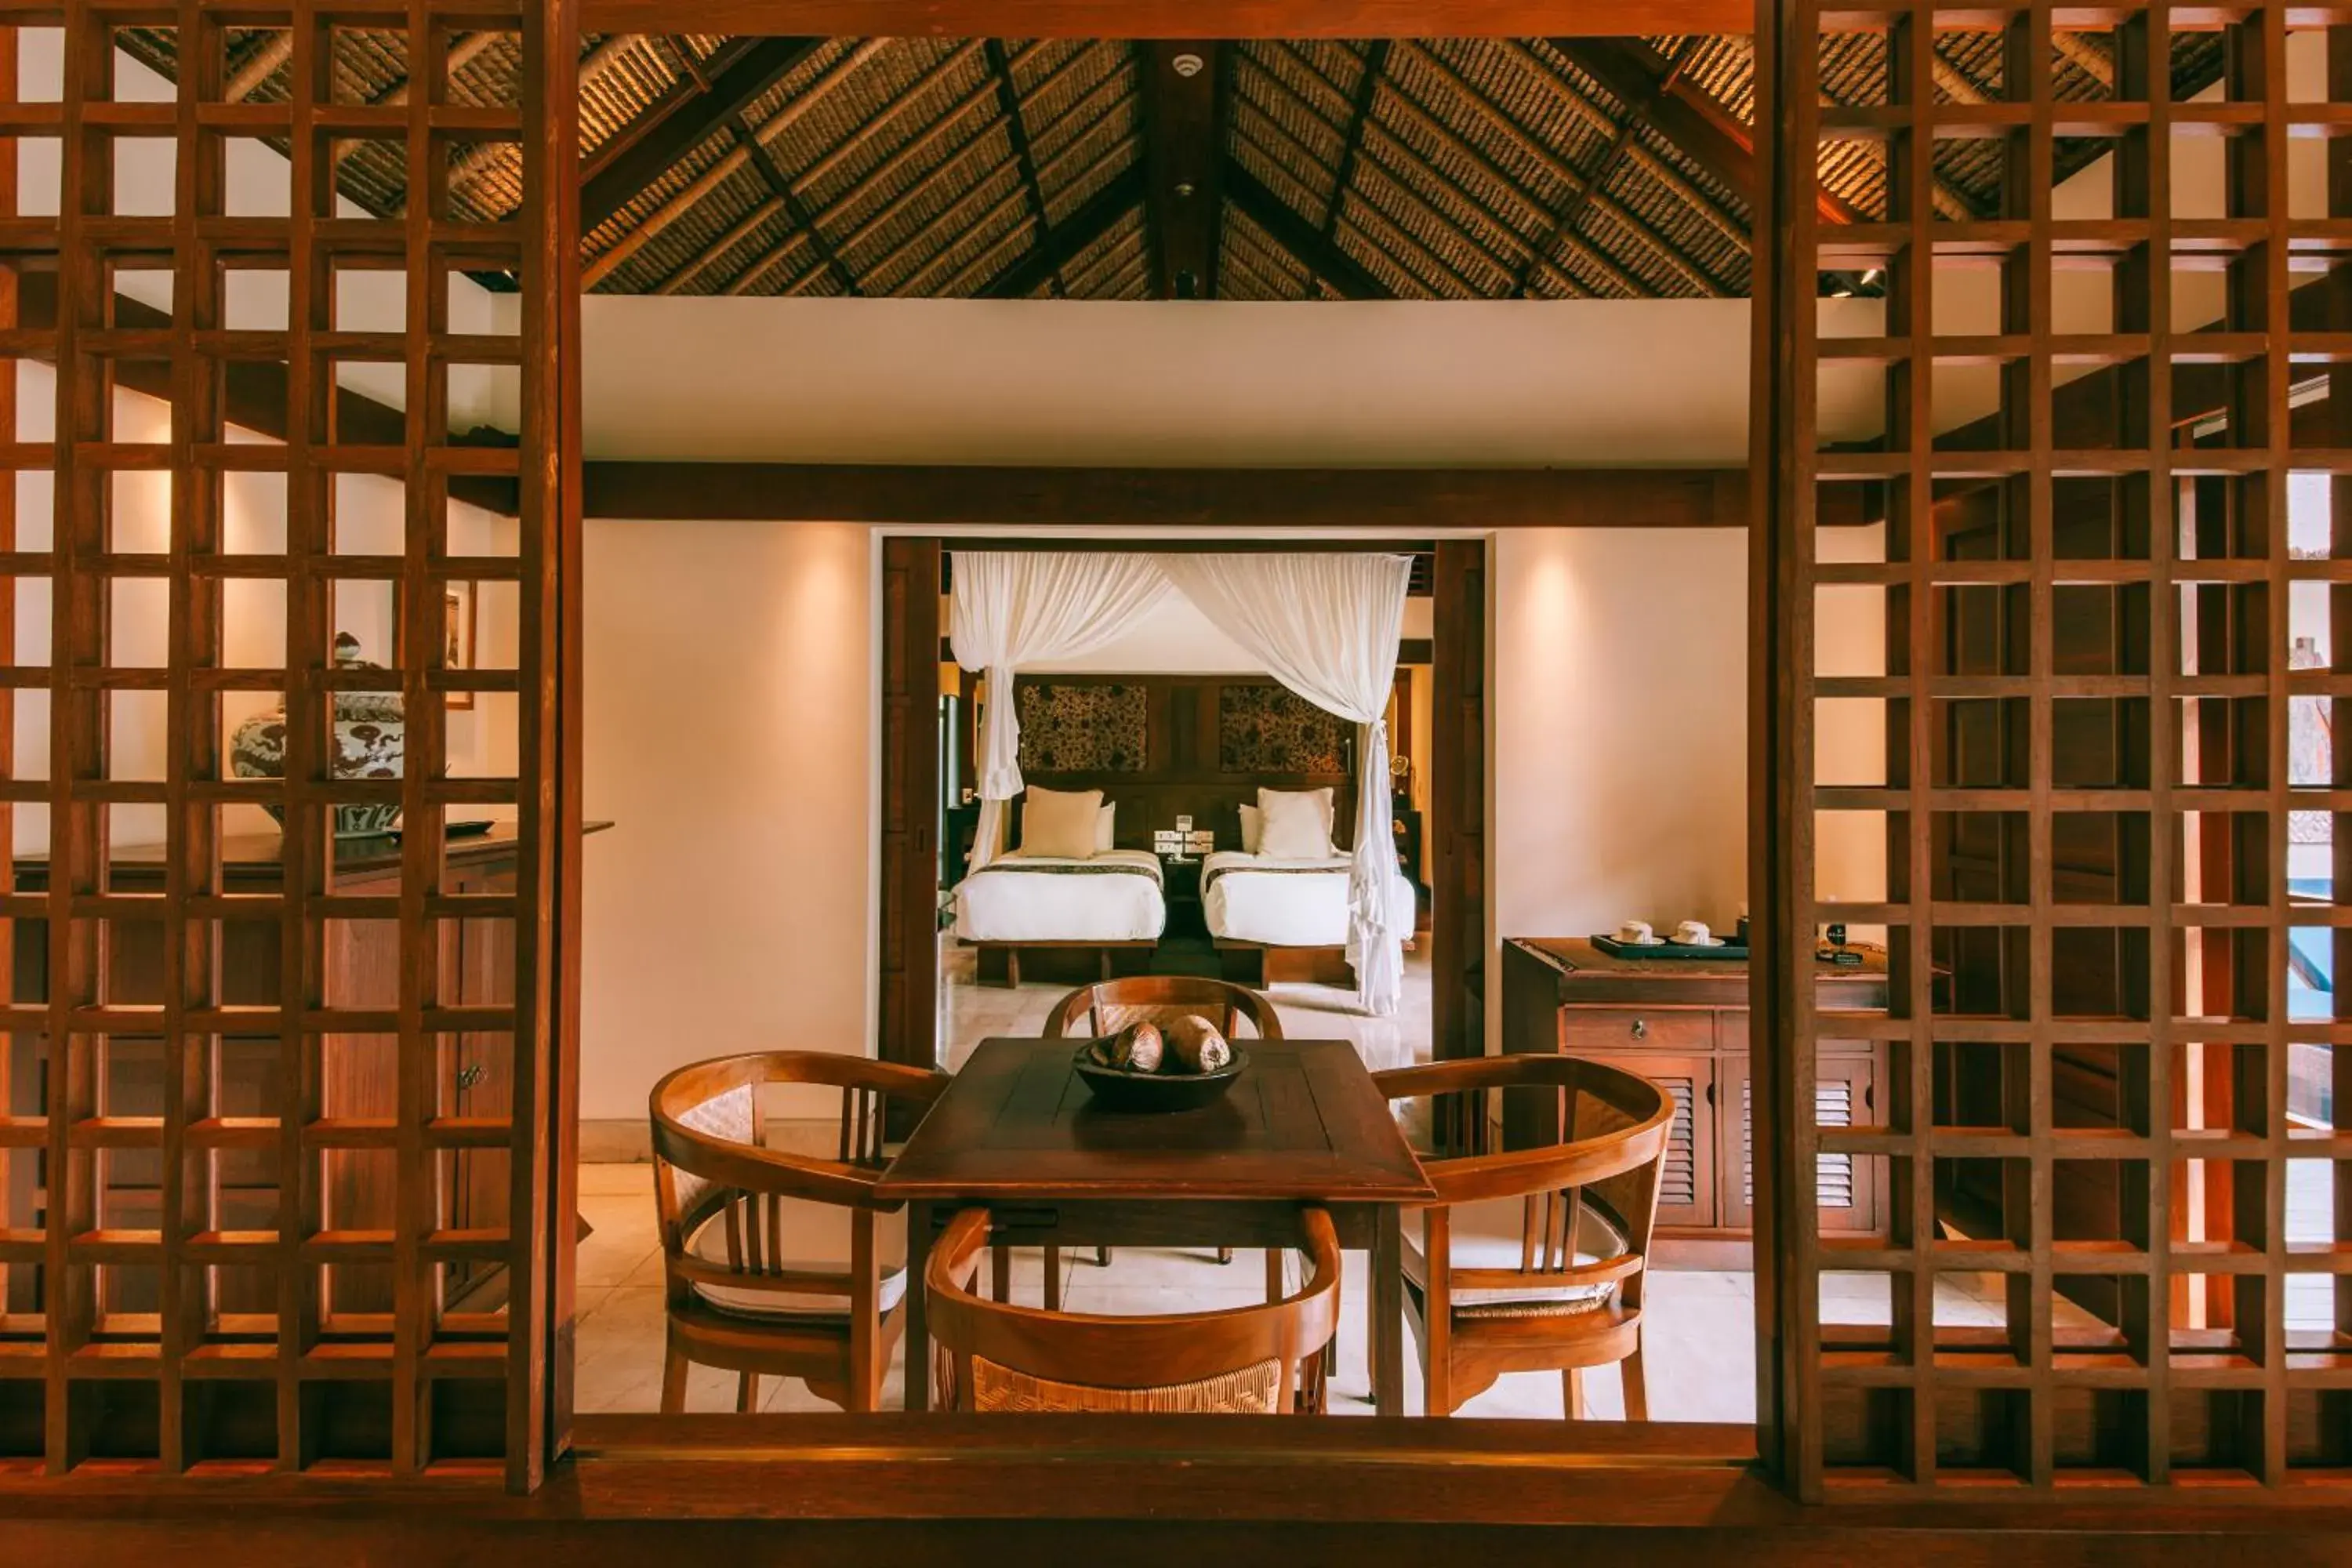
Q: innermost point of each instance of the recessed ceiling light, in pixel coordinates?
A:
(1188, 64)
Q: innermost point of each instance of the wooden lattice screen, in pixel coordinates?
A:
(260, 1225)
(2101, 424)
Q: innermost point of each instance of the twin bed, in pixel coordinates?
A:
(1290, 908)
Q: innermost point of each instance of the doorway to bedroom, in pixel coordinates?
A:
(1206, 723)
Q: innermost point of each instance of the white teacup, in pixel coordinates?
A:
(1636, 933)
(1693, 934)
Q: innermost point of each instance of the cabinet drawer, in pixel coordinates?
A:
(1636, 1029)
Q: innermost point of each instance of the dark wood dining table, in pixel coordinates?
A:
(1016, 1134)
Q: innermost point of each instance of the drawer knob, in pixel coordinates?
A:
(1641, 1028)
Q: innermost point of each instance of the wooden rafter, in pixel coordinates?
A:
(1184, 158)
(1281, 223)
(1367, 86)
(1492, 115)
(780, 189)
(1058, 246)
(593, 66)
(916, 147)
(1377, 135)
(1637, 113)
(1008, 100)
(726, 167)
(679, 121)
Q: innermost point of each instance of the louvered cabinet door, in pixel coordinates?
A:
(1845, 1094)
(1687, 1189)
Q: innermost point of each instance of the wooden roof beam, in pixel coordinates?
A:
(1057, 246)
(1368, 86)
(914, 147)
(1492, 114)
(675, 124)
(1637, 113)
(1145, 19)
(1323, 258)
(1008, 103)
(1184, 102)
(649, 227)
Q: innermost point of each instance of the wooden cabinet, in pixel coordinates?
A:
(1685, 1025)
(356, 1075)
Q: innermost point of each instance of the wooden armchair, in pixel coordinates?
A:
(776, 1262)
(1093, 1011)
(1262, 1359)
(1534, 1258)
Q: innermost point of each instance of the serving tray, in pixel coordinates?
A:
(1669, 949)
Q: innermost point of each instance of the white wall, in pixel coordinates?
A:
(731, 689)
(1620, 765)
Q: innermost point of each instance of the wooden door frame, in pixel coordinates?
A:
(1457, 859)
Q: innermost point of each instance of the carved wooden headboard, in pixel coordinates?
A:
(1162, 745)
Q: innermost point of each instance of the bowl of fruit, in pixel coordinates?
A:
(1185, 1065)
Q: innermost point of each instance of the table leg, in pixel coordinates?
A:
(1387, 1304)
(918, 1337)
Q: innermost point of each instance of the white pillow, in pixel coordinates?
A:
(1252, 829)
(1105, 829)
(1295, 825)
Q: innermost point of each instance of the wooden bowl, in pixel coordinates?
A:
(1115, 1088)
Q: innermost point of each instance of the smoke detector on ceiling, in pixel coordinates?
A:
(1187, 64)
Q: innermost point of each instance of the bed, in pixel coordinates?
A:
(1109, 901)
(1294, 912)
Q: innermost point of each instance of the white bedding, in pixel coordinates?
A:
(1286, 903)
(1016, 898)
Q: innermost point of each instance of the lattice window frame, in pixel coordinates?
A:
(424, 1386)
(1850, 1414)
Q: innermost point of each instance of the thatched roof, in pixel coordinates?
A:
(1424, 168)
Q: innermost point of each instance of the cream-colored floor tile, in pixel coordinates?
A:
(615, 1181)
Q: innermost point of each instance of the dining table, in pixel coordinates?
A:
(1017, 1133)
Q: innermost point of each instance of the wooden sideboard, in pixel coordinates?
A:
(356, 1076)
(1683, 1023)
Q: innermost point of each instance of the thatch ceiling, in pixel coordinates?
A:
(1412, 169)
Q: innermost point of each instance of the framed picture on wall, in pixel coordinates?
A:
(457, 635)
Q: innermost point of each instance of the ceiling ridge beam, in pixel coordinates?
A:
(1280, 223)
(1184, 87)
(1008, 101)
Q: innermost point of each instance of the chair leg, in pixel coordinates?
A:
(1637, 1385)
(746, 1393)
(1273, 1274)
(1224, 1255)
(673, 1394)
(1102, 1257)
(1053, 1279)
(1571, 1391)
(1000, 1260)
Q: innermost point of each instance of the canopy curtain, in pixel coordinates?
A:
(1327, 626)
(1008, 609)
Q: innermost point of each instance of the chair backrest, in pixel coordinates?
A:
(1112, 1004)
(1257, 1360)
(712, 1162)
(1610, 1129)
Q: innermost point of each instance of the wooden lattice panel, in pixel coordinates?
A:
(255, 1223)
(2102, 428)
